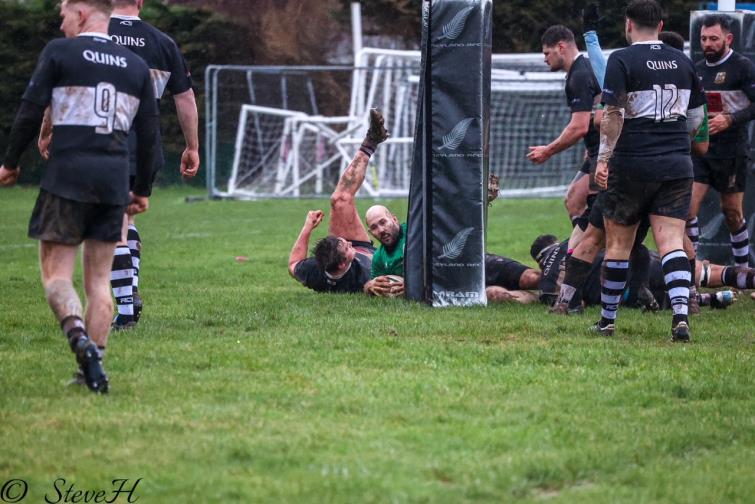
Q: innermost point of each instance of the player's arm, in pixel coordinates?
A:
(147, 126)
(701, 139)
(24, 129)
(610, 130)
(573, 133)
(188, 119)
(384, 286)
(45, 134)
(301, 245)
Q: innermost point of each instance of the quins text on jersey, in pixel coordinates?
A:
(662, 65)
(104, 58)
(128, 41)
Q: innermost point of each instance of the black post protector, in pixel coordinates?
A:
(714, 235)
(445, 249)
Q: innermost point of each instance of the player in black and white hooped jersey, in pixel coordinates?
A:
(169, 73)
(95, 91)
(653, 101)
(729, 81)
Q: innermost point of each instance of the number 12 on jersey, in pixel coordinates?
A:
(666, 99)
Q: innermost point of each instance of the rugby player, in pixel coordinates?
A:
(169, 72)
(729, 82)
(94, 88)
(342, 260)
(651, 95)
(582, 95)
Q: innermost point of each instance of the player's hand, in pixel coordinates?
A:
(538, 154)
(139, 204)
(314, 218)
(384, 286)
(8, 177)
(601, 175)
(189, 162)
(719, 123)
(43, 144)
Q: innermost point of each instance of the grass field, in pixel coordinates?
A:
(240, 385)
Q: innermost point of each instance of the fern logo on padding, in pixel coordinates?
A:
(455, 247)
(452, 140)
(453, 28)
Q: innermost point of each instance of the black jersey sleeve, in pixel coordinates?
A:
(615, 82)
(180, 77)
(39, 89)
(147, 125)
(748, 87)
(581, 91)
(306, 270)
(25, 128)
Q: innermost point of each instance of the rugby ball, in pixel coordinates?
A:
(395, 278)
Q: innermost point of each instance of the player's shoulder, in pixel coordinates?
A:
(741, 61)
(158, 35)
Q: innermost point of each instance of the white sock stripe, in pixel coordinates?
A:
(126, 309)
(693, 232)
(610, 284)
(673, 255)
(741, 236)
(135, 281)
(608, 314)
(608, 299)
(680, 309)
(692, 222)
(741, 251)
(122, 251)
(136, 261)
(617, 264)
(120, 292)
(678, 292)
(132, 244)
(742, 280)
(121, 274)
(677, 275)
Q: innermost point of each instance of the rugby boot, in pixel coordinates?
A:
(78, 378)
(721, 299)
(680, 332)
(123, 323)
(559, 308)
(603, 330)
(90, 363)
(646, 300)
(137, 306)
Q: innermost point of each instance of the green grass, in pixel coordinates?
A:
(240, 385)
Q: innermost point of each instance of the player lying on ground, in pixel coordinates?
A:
(505, 279)
(343, 259)
(551, 254)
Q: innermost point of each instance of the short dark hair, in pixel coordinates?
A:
(645, 13)
(104, 6)
(556, 34)
(673, 39)
(718, 19)
(327, 255)
(541, 243)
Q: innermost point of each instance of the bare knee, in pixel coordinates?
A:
(341, 201)
(733, 215)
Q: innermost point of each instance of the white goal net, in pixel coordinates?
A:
(294, 130)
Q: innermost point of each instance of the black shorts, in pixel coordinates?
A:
(628, 201)
(60, 220)
(363, 247)
(723, 175)
(596, 220)
(503, 272)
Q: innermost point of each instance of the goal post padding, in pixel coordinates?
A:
(448, 225)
